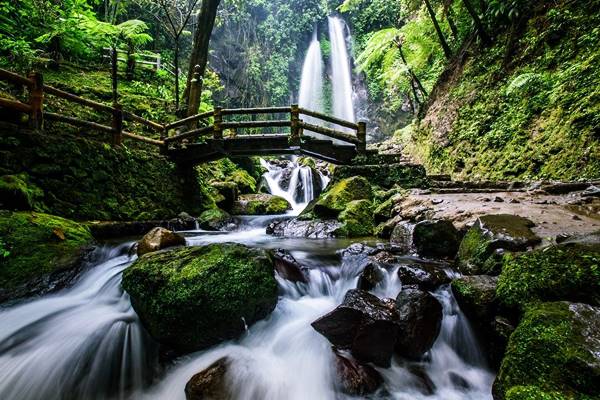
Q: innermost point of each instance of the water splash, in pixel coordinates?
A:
(343, 106)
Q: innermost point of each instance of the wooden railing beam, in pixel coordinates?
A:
(331, 133)
(258, 110)
(189, 119)
(256, 124)
(329, 118)
(15, 105)
(14, 78)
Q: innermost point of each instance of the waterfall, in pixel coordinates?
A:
(294, 182)
(343, 106)
(311, 83)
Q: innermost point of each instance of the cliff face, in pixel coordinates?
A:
(527, 107)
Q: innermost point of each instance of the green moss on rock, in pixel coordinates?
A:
(357, 219)
(193, 298)
(331, 203)
(260, 204)
(563, 272)
(213, 219)
(18, 193)
(554, 350)
(38, 246)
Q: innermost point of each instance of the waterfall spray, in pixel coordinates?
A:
(340, 66)
(311, 83)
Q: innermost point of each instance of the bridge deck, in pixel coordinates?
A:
(257, 145)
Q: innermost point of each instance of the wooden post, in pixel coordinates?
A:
(295, 124)
(117, 125)
(218, 120)
(36, 101)
(194, 96)
(361, 135)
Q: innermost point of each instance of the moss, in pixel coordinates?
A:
(38, 245)
(549, 351)
(213, 218)
(193, 298)
(395, 174)
(307, 162)
(331, 203)
(357, 219)
(533, 393)
(18, 193)
(563, 272)
(261, 204)
(245, 183)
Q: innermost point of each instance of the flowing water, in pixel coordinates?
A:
(341, 80)
(86, 342)
(311, 82)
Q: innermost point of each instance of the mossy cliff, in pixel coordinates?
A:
(526, 107)
(85, 179)
(37, 250)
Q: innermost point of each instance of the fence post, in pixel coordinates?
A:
(36, 101)
(361, 134)
(117, 125)
(218, 120)
(295, 123)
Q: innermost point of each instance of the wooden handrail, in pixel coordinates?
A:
(189, 119)
(185, 135)
(143, 139)
(132, 117)
(258, 110)
(330, 132)
(76, 99)
(329, 118)
(257, 124)
(6, 75)
(15, 105)
(77, 122)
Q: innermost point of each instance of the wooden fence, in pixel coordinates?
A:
(193, 127)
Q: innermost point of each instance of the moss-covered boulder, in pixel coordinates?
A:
(214, 219)
(436, 238)
(336, 198)
(563, 272)
(226, 194)
(553, 354)
(39, 252)
(244, 181)
(476, 296)
(492, 233)
(18, 193)
(195, 297)
(356, 219)
(260, 204)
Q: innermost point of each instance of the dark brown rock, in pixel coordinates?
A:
(288, 267)
(426, 276)
(370, 277)
(420, 322)
(354, 378)
(211, 383)
(436, 238)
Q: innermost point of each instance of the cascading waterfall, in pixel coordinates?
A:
(343, 106)
(311, 82)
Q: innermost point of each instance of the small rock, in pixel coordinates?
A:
(158, 239)
(458, 381)
(423, 381)
(485, 199)
(211, 383)
(592, 191)
(514, 201)
(426, 276)
(436, 238)
(498, 199)
(356, 379)
(370, 277)
(288, 267)
(576, 218)
(437, 201)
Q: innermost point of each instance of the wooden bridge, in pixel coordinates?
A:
(207, 136)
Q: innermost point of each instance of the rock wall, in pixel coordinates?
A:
(85, 180)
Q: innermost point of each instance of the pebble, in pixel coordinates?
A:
(498, 199)
(436, 201)
(576, 218)
(514, 201)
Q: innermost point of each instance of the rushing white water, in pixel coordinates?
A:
(82, 343)
(311, 82)
(298, 188)
(340, 68)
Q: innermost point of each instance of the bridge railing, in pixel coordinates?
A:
(197, 126)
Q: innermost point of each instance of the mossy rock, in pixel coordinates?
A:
(356, 219)
(436, 238)
(331, 203)
(492, 233)
(245, 183)
(260, 204)
(18, 193)
(213, 219)
(193, 298)
(386, 174)
(38, 252)
(563, 272)
(554, 351)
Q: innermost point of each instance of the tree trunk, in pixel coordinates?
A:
(451, 23)
(485, 38)
(199, 56)
(130, 70)
(113, 74)
(414, 78)
(176, 63)
(436, 25)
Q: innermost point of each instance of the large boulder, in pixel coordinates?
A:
(476, 296)
(553, 354)
(227, 193)
(210, 383)
(420, 321)
(490, 234)
(354, 378)
(18, 193)
(363, 324)
(564, 272)
(335, 200)
(314, 229)
(401, 236)
(436, 238)
(428, 276)
(356, 219)
(192, 298)
(157, 239)
(39, 253)
(260, 204)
